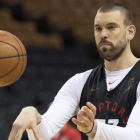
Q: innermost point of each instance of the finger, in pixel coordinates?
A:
(83, 111)
(80, 114)
(85, 121)
(35, 131)
(19, 134)
(89, 113)
(12, 134)
(77, 122)
(91, 107)
(15, 131)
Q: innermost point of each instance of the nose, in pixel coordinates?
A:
(104, 34)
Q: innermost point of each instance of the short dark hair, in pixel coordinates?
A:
(115, 6)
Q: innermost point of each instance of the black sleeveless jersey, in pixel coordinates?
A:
(115, 106)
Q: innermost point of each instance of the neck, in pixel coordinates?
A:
(126, 60)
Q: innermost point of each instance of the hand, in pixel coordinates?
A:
(85, 119)
(27, 119)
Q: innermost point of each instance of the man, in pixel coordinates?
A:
(108, 95)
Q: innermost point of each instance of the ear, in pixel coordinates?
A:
(131, 32)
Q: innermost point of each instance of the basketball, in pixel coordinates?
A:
(13, 58)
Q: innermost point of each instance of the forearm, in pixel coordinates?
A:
(111, 132)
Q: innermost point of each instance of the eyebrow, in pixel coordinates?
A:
(111, 23)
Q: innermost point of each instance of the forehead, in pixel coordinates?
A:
(109, 17)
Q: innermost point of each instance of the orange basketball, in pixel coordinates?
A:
(13, 58)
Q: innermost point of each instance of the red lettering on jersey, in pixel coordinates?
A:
(121, 112)
(114, 108)
(108, 104)
(100, 106)
(125, 120)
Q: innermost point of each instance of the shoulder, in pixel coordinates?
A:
(73, 87)
(83, 75)
(77, 81)
(80, 78)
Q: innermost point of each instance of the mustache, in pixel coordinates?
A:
(103, 41)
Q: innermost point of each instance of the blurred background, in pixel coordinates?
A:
(59, 39)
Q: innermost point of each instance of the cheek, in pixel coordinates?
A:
(122, 36)
(97, 38)
(114, 38)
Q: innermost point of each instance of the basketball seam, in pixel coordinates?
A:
(11, 70)
(19, 58)
(17, 55)
(11, 44)
(13, 56)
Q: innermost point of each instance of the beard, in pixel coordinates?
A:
(114, 52)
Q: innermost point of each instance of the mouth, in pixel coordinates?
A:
(104, 45)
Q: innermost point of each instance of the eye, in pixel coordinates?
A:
(111, 27)
(98, 29)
